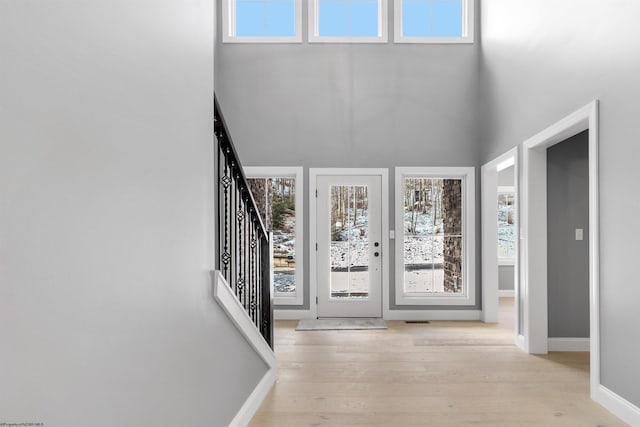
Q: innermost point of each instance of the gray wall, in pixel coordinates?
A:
(568, 258)
(539, 65)
(506, 277)
(350, 105)
(106, 190)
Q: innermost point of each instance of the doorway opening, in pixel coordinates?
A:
(500, 231)
(568, 244)
(534, 224)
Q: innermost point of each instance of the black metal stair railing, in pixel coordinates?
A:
(242, 246)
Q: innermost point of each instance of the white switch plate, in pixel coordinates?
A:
(392, 234)
(579, 234)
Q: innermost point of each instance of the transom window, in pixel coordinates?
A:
(433, 21)
(348, 21)
(434, 236)
(262, 21)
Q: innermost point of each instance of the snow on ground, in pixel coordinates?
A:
(417, 250)
(284, 243)
(284, 281)
(506, 234)
(425, 225)
(353, 251)
(426, 280)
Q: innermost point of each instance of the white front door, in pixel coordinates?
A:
(349, 252)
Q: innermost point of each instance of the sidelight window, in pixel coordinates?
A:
(434, 236)
(277, 192)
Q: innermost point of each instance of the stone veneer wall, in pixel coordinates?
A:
(452, 213)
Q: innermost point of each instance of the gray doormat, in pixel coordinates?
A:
(340, 324)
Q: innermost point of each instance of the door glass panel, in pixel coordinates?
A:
(349, 222)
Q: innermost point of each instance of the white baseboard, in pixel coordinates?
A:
(236, 312)
(251, 405)
(433, 315)
(618, 406)
(568, 344)
(393, 315)
(506, 293)
(292, 314)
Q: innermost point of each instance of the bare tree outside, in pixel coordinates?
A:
(349, 219)
(276, 200)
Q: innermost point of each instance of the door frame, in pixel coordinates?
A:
(490, 267)
(534, 234)
(383, 173)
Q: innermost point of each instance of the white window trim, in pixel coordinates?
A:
(297, 173)
(314, 27)
(467, 174)
(468, 29)
(229, 26)
(510, 189)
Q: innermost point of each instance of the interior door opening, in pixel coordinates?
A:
(535, 227)
(502, 296)
(568, 244)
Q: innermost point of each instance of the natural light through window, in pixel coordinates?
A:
(349, 241)
(506, 226)
(262, 21)
(433, 236)
(347, 21)
(278, 196)
(434, 21)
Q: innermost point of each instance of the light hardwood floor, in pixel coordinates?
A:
(436, 374)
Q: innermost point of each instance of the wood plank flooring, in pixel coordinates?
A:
(436, 374)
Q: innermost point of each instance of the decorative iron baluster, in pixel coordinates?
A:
(251, 261)
(242, 244)
(226, 255)
(239, 216)
(243, 269)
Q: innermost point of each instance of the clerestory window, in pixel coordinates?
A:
(433, 21)
(260, 21)
(348, 21)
